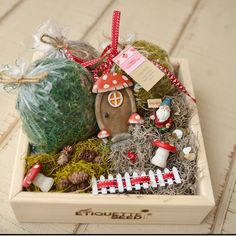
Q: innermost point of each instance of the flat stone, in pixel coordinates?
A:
(121, 137)
(190, 157)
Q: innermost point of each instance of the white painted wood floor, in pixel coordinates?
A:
(203, 31)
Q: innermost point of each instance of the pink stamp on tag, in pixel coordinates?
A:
(129, 59)
(138, 67)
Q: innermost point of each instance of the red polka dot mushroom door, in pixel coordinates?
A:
(114, 102)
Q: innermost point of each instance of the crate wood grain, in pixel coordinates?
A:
(192, 25)
(134, 209)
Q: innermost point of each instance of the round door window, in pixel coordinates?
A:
(115, 98)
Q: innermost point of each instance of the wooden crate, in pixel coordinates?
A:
(115, 208)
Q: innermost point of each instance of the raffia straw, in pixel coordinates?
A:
(7, 79)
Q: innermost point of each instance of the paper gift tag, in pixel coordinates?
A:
(138, 67)
(154, 103)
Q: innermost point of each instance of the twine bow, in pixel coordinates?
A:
(7, 79)
(54, 41)
(60, 43)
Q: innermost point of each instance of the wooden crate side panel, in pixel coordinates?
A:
(19, 165)
(40, 207)
(204, 183)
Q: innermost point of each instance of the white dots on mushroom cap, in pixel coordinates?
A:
(124, 77)
(104, 77)
(125, 85)
(104, 132)
(114, 81)
(95, 86)
(137, 117)
(36, 166)
(106, 86)
(114, 74)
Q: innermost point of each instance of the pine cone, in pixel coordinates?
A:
(97, 160)
(82, 185)
(63, 159)
(78, 177)
(65, 154)
(68, 149)
(73, 188)
(88, 155)
(63, 184)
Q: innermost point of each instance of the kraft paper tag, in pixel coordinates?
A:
(154, 103)
(138, 67)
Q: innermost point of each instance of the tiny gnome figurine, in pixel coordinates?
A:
(163, 120)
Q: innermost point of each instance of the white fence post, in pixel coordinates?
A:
(104, 190)
(160, 178)
(169, 181)
(137, 186)
(153, 182)
(111, 189)
(128, 182)
(94, 186)
(120, 183)
(176, 175)
(145, 185)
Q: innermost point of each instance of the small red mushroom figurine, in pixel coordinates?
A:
(162, 152)
(104, 134)
(132, 156)
(38, 179)
(135, 118)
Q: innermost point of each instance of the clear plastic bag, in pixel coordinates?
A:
(50, 40)
(54, 100)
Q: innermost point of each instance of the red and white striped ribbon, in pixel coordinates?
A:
(112, 50)
(136, 180)
(173, 79)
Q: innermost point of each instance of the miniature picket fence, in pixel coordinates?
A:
(135, 182)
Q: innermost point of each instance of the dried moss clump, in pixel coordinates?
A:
(164, 87)
(141, 144)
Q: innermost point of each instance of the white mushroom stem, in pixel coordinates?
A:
(43, 182)
(105, 140)
(160, 157)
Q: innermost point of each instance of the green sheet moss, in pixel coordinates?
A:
(59, 110)
(52, 169)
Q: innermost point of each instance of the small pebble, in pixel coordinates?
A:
(187, 150)
(190, 156)
(178, 133)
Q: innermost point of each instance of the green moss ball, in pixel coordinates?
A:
(58, 110)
